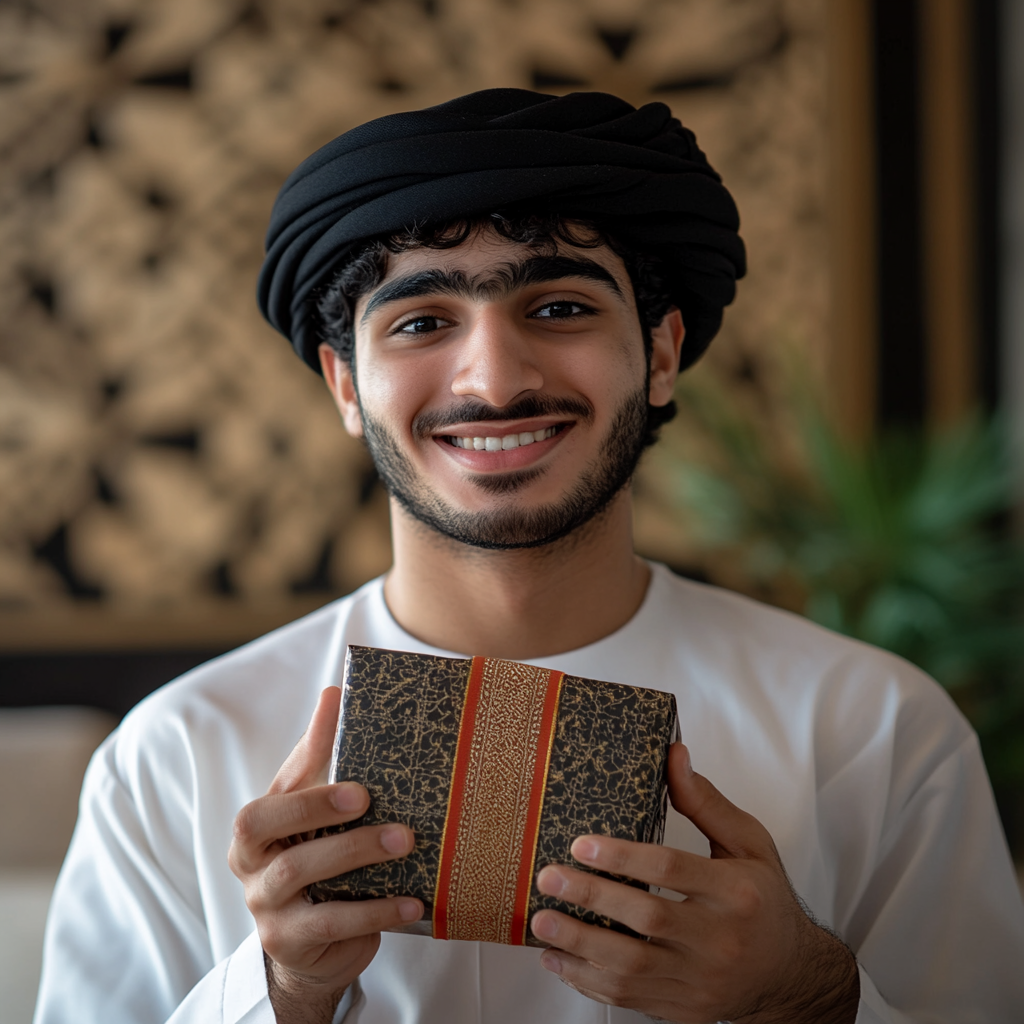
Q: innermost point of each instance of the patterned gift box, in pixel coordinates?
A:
(497, 767)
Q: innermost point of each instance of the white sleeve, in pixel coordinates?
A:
(938, 928)
(873, 1008)
(126, 939)
(234, 992)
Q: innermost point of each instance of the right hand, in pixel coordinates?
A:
(313, 952)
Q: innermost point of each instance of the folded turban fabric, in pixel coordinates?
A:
(592, 156)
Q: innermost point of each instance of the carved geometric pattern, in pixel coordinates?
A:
(160, 445)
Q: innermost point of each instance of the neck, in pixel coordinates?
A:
(528, 603)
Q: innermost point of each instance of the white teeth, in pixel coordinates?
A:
(509, 441)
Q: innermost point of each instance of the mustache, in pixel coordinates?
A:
(434, 422)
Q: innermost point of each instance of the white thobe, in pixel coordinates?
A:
(867, 777)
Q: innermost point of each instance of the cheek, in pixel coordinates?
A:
(605, 373)
(398, 389)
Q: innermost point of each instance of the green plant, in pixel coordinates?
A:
(903, 543)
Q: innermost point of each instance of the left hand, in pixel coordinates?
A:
(740, 948)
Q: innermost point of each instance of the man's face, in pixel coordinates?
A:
(502, 393)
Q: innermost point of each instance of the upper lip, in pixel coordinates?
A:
(501, 428)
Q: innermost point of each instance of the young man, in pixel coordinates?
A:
(500, 292)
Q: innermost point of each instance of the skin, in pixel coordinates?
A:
(740, 947)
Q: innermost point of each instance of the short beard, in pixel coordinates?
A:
(510, 528)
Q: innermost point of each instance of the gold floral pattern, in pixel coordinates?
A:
(160, 446)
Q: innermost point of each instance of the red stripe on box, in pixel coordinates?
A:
(499, 774)
(524, 883)
(463, 748)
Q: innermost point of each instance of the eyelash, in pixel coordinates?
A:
(582, 310)
(400, 329)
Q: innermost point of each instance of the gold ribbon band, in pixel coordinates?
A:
(502, 755)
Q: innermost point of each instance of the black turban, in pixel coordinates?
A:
(590, 156)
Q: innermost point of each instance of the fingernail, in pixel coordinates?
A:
(409, 910)
(550, 962)
(689, 763)
(551, 883)
(585, 850)
(545, 926)
(348, 796)
(395, 839)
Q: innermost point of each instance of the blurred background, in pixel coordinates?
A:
(174, 482)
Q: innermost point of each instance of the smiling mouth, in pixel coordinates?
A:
(505, 442)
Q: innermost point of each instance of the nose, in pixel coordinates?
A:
(496, 362)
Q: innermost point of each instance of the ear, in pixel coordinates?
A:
(667, 343)
(338, 376)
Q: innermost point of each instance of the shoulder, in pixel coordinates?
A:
(776, 646)
(248, 706)
(806, 679)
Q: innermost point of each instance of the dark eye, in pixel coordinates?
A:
(561, 310)
(421, 325)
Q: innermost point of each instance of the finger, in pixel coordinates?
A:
(730, 831)
(614, 987)
(308, 762)
(303, 928)
(643, 912)
(682, 872)
(270, 819)
(293, 869)
(604, 947)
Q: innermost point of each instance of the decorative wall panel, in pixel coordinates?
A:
(164, 458)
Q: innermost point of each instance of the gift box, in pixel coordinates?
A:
(497, 767)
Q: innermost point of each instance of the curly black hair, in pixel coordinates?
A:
(367, 266)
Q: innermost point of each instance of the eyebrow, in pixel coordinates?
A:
(497, 285)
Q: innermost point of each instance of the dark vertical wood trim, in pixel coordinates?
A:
(948, 228)
(902, 395)
(853, 342)
(987, 74)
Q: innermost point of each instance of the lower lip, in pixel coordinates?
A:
(503, 461)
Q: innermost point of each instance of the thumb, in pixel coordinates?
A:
(308, 762)
(730, 831)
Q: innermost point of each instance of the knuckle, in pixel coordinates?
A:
(616, 987)
(244, 829)
(585, 891)
(282, 873)
(256, 898)
(304, 803)
(271, 938)
(346, 847)
(747, 900)
(731, 951)
(654, 918)
(665, 866)
(321, 929)
(637, 960)
(257, 905)
(570, 937)
(385, 915)
(618, 858)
